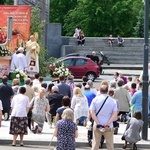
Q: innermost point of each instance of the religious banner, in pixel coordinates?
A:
(20, 32)
(21, 25)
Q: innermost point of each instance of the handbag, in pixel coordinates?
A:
(89, 123)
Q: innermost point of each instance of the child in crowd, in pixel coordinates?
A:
(84, 80)
(111, 40)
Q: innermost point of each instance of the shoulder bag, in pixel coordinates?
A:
(102, 106)
(91, 121)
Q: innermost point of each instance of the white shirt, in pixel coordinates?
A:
(1, 107)
(36, 82)
(18, 61)
(107, 110)
(77, 31)
(80, 106)
(22, 61)
(14, 62)
(19, 105)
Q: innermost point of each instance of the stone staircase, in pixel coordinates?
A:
(131, 53)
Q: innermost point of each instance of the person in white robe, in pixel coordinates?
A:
(32, 51)
(14, 63)
(19, 61)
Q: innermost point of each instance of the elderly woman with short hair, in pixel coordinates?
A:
(66, 131)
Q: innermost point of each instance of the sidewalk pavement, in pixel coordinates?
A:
(46, 135)
(124, 72)
(126, 69)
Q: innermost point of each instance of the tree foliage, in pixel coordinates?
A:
(59, 9)
(37, 26)
(7, 2)
(97, 17)
(139, 28)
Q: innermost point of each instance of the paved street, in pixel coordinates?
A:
(34, 147)
(98, 80)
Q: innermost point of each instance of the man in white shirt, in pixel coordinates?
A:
(103, 119)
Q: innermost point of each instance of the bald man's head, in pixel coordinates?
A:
(55, 89)
(103, 89)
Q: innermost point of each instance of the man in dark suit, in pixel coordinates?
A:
(55, 101)
(64, 88)
(6, 94)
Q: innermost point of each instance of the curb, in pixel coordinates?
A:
(78, 144)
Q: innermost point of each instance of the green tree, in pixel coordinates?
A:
(139, 28)
(59, 9)
(100, 17)
(7, 2)
(37, 26)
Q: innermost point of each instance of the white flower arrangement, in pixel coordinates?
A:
(4, 51)
(19, 74)
(61, 70)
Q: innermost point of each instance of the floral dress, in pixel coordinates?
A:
(66, 135)
(39, 108)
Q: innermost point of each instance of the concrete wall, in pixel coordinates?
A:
(54, 40)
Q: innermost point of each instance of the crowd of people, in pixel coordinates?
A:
(67, 104)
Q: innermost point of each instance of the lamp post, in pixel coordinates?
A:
(145, 74)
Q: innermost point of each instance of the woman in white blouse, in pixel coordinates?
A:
(79, 104)
(19, 120)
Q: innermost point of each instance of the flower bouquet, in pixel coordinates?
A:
(61, 70)
(4, 52)
(19, 74)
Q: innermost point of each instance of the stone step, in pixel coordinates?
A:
(132, 52)
(105, 39)
(115, 56)
(104, 42)
(101, 48)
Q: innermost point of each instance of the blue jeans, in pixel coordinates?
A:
(81, 120)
